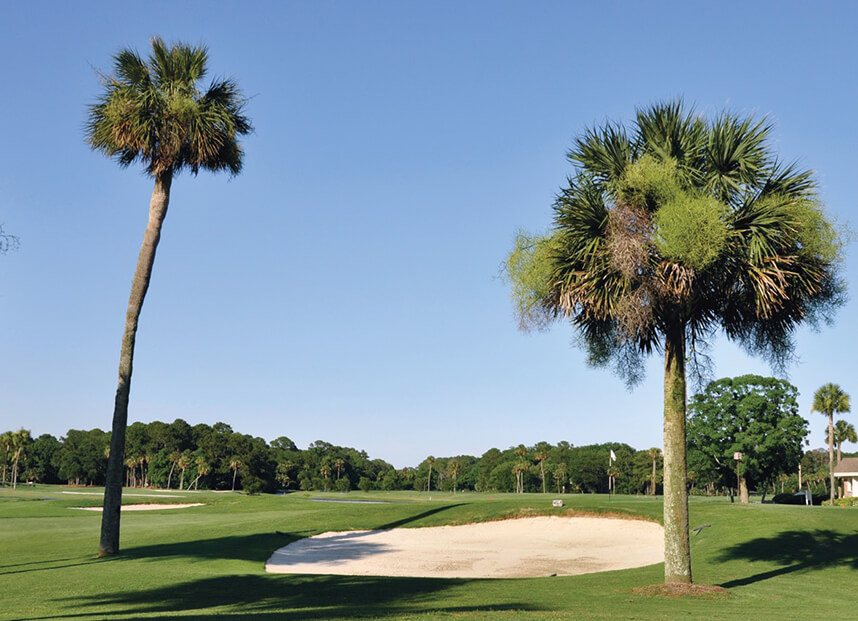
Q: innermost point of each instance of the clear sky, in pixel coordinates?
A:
(344, 287)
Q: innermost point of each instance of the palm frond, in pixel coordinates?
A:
(603, 153)
(737, 155)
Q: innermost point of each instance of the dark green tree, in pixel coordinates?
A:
(154, 112)
(752, 415)
(667, 232)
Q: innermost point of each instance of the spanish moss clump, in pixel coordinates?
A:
(528, 270)
(691, 230)
(648, 183)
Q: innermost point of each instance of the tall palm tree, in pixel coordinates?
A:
(829, 400)
(154, 112)
(668, 231)
(843, 432)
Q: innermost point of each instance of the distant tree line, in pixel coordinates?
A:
(754, 416)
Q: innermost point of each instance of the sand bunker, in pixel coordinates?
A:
(146, 507)
(518, 548)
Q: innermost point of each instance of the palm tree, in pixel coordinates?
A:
(184, 462)
(843, 432)
(653, 454)
(665, 233)
(518, 469)
(20, 440)
(339, 464)
(174, 459)
(6, 447)
(560, 474)
(453, 469)
(540, 458)
(234, 464)
(153, 111)
(828, 400)
(203, 469)
(325, 471)
(429, 460)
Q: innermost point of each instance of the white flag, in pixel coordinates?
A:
(613, 457)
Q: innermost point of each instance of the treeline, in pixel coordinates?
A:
(180, 456)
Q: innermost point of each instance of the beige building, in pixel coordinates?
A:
(847, 472)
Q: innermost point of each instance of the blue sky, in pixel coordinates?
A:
(344, 287)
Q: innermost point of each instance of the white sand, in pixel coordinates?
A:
(146, 507)
(517, 548)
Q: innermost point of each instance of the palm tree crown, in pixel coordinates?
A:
(690, 223)
(153, 111)
(829, 400)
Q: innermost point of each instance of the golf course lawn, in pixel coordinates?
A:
(777, 562)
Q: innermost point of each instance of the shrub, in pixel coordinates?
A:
(842, 502)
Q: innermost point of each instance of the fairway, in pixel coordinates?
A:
(209, 561)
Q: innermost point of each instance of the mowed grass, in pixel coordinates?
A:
(197, 563)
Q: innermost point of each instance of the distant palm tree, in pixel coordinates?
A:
(174, 458)
(828, 400)
(429, 460)
(540, 458)
(153, 111)
(518, 469)
(234, 464)
(453, 469)
(843, 432)
(339, 464)
(20, 440)
(325, 471)
(184, 462)
(521, 467)
(653, 454)
(560, 474)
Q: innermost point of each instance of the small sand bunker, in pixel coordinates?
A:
(516, 548)
(147, 507)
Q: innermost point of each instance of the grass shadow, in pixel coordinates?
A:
(794, 550)
(279, 597)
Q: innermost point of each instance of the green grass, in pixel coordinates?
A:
(776, 561)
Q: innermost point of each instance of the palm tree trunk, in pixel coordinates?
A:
(831, 456)
(109, 543)
(677, 548)
(170, 476)
(234, 473)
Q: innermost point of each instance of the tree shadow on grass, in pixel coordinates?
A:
(255, 547)
(795, 550)
(279, 597)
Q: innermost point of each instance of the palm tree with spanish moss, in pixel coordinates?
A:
(830, 400)
(156, 112)
(667, 232)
